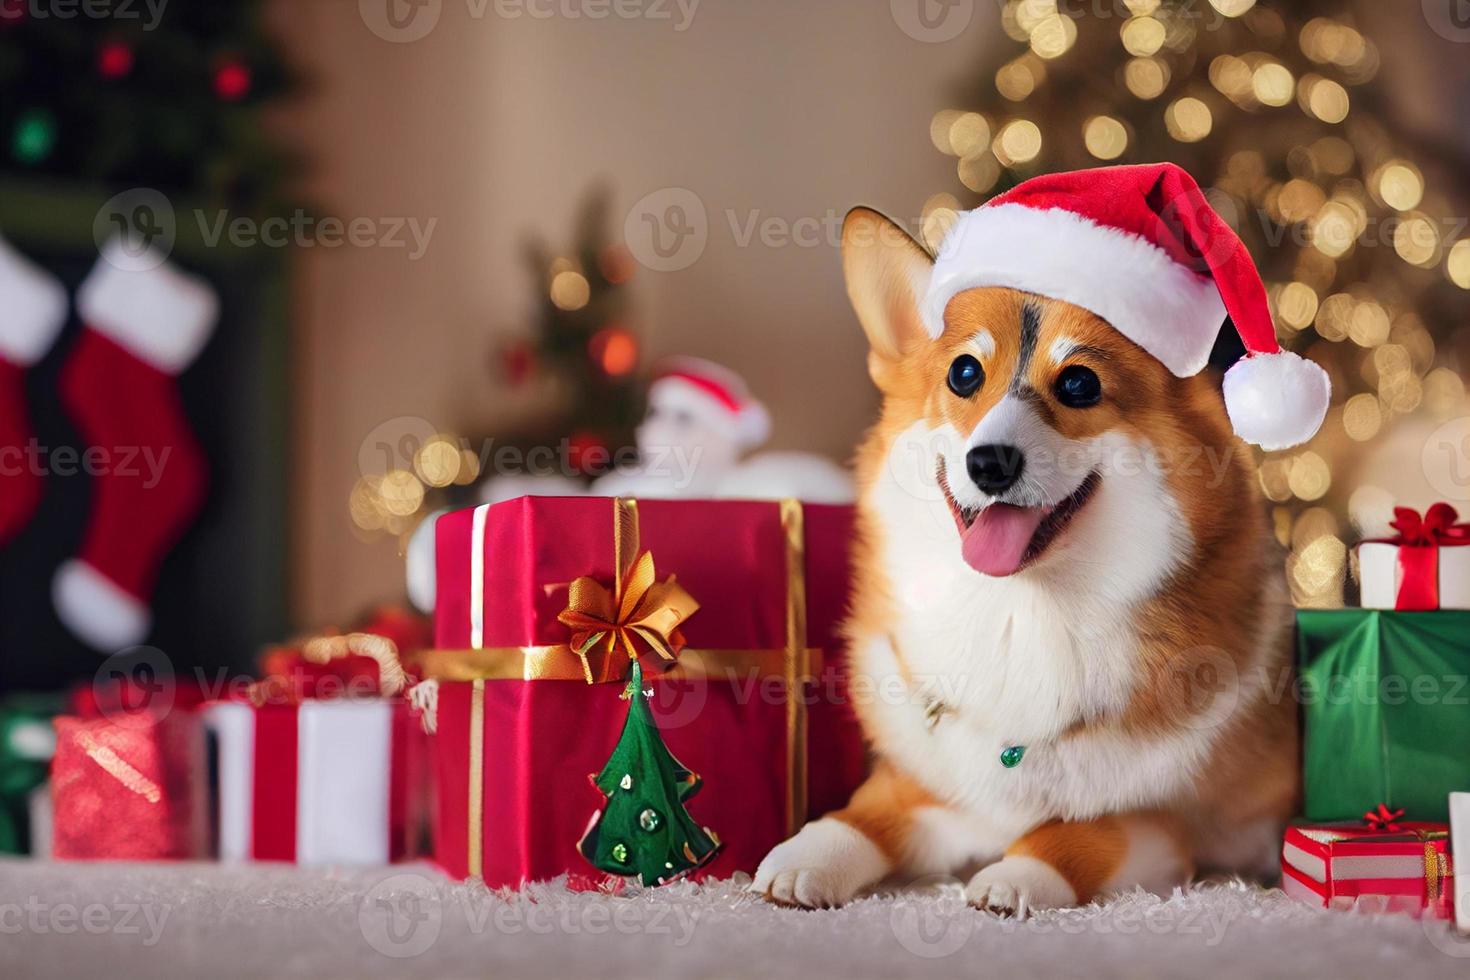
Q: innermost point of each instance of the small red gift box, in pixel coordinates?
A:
(320, 782)
(1385, 866)
(522, 720)
(129, 787)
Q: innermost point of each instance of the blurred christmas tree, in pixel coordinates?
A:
(579, 359)
(165, 96)
(1274, 109)
(580, 341)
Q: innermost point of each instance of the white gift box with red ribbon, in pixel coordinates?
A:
(318, 783)
(1424, 566)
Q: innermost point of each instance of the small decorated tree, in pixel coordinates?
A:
(644, 830)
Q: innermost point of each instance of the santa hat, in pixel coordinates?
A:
(715, 395)
(1140, 247)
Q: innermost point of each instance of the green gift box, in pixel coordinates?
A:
(1385, 711)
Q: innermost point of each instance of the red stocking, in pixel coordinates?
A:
(33, 310)
(145, 323)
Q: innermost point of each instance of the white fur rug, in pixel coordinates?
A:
(110, 922)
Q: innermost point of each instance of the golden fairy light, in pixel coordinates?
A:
(1053, 36)
(1416, 239)
(1399, 184)
(1299, 200)
(401, 493)
(1031, 14)
(969, 134)
(1309, 476)
(1457, 264)
(1361, 417)
(1188, 120)
(936, 225)
(940, 127)
(979, 173)
(1444, 393)
(1105, 137)
(1272, 84)
(1231, 76)
(1143, 36)
(1146, 78)
(1323, 98)
(1274, 475)
(1312, 524)
(570, 290)
(1334, 316)
(1232, 8)
(437, 463)
(1335, 229)
(1018, 142)
(1333, 155)
(1296, 305)
(469, 468)
(1018, 79)
(364, 504)
(1368, 324)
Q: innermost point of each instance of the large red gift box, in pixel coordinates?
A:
(129, 787)
(519, 727)
(1380, 866)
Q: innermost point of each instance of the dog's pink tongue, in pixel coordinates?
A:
(997, 541)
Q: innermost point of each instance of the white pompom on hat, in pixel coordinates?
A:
(1140, 247)
(714, 394)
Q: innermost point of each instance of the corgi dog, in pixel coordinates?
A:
(1067, 603)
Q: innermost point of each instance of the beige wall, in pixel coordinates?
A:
(494, 126)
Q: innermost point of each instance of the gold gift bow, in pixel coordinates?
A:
(551, 663)
(639, 607)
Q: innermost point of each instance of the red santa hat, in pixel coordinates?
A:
(1140, 247)
(713, 394)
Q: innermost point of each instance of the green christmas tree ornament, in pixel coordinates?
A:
(643, 830)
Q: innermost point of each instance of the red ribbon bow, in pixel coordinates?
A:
(1383, 819)
(1419, 540)
(1435, 528)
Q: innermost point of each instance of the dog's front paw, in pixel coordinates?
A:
(823, 866)
(1019, 885)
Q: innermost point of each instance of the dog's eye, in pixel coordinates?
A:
(1078, 387)
(965, 376)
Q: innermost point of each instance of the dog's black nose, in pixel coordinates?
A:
(994, 468)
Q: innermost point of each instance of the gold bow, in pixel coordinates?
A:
(604, 621)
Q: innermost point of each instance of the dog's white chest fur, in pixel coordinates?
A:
(1018, 661)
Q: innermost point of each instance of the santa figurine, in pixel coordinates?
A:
(701, 422)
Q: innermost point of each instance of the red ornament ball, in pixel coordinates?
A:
(115, 60)
(232, 81)
(614, 350)
(587, 452)
(517, 362)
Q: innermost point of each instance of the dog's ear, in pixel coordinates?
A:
(887, 274)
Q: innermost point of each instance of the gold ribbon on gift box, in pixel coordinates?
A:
(640, 614)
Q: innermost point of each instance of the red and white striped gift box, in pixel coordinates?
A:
(320, 782)
(1343, 866)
